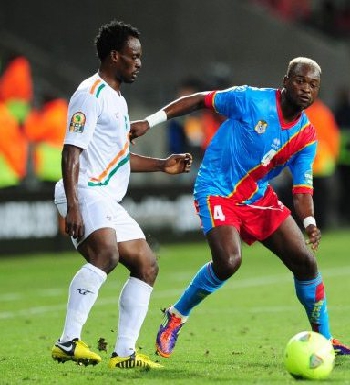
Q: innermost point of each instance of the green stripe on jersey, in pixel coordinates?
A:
(113, 171)
(99, 89)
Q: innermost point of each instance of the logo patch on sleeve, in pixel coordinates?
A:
(77, 123)
(308, 177)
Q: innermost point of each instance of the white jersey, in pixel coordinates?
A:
(98, 122)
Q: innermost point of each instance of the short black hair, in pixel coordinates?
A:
(113, 36)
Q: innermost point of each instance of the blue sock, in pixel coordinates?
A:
(204, 283)
(312, 296)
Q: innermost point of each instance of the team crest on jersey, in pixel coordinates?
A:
(260, 128)
(77, 123)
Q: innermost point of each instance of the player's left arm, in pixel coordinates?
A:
(173, 164)
(301, 168)
(304, 208)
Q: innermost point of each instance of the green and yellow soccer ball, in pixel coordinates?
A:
(309, 355)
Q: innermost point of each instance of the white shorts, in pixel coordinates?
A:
(100, 212)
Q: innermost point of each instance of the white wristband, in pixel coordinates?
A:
(158, 117)
(309, 221)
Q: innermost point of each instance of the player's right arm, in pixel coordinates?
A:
(185, 105)
(83, 111)
(70, 173)
(181, 106)
(230, 102)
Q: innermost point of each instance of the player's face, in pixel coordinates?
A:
(302, 86)
(129, 61)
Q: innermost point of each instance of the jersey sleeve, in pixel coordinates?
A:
(301, 166)
(231, 102)
(83, 111)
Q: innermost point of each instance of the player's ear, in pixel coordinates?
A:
(114, 55)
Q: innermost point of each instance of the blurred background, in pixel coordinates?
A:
(46, 49)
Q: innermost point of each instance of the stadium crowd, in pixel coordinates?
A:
(329, 16)
(32, 134)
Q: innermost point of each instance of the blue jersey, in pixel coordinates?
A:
(253, 145)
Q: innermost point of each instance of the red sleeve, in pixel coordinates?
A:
(303, 190)
(209, 100)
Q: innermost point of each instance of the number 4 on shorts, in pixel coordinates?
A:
(218, 214)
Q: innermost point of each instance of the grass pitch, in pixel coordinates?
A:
(236, 336)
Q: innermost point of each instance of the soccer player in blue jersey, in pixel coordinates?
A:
(265, 131)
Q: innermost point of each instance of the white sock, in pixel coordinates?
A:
(83, 292)
(133, 307)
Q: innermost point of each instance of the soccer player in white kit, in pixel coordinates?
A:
(96, 165)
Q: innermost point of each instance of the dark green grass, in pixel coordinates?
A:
(236, 336)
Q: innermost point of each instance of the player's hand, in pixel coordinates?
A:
(74, 223)
(138, 128)
(178, 163)
(314, 236)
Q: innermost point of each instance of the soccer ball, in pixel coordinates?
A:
(309, 355)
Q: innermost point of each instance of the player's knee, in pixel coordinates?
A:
(113, 259)
(227, 265)
(107, 259)
(305, 267)
(152, 271)
(148, 271)
(234, 262)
